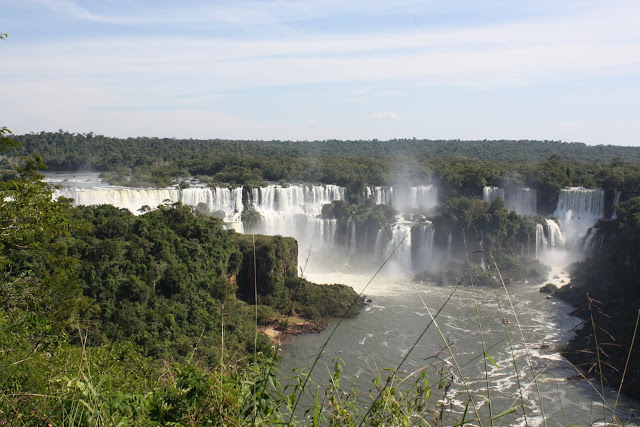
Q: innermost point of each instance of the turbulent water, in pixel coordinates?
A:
(382, 335)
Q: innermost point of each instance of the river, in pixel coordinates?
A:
(380, 337)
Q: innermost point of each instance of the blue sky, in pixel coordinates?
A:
(305, 70)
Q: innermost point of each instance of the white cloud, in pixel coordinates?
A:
(385, 116)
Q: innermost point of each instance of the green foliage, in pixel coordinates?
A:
(492, 226)
(316, 302)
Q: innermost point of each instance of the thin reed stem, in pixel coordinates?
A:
(598, 360)
(511, 349)
(324, 345)
(444, 340)
(406, 356)
(626, 365)
(484, 350)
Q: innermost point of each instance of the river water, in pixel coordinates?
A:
(380, 337)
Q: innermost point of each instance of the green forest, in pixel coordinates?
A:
(461, 168)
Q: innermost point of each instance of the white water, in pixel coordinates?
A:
(294, 211)
(578, 209)
(489, 194)
(403, 199)
(520, 200)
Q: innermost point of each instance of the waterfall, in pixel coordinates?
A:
(121, 197)
(295, 199)
(616, 200)
(554, 234)
(422, 243)
(578, 210)
(210, 199)
(548, 236)
(294, 211)
(541, 240)
(381, 195)
(489, 194)
(404, 198)
(215, 199)
(418, 197)
(522, 201)
(396, 237)
(351, 238)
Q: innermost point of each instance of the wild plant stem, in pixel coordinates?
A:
(524, 341)
(255, 339)
(406, 356)
(484, 350)
(626, 365)
(324, 345)
(511, 350)
(595, 338)
(433, 319)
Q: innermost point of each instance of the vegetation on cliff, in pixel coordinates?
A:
(605, 291)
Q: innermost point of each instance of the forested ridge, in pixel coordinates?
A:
(71, 151)
(459, 168)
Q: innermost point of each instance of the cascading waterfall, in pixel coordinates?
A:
(422, 239)
(541, 240)
(555, 237)
(417, 197)
(520, 200)
(578, 210)
(121, 197)
(396, 237)
(589, 242)
(351, 238)
(489, 194)
(213, 200)
(381, 195)
(548, 236)
(294, 211)
(616, 200)
(404, 198)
